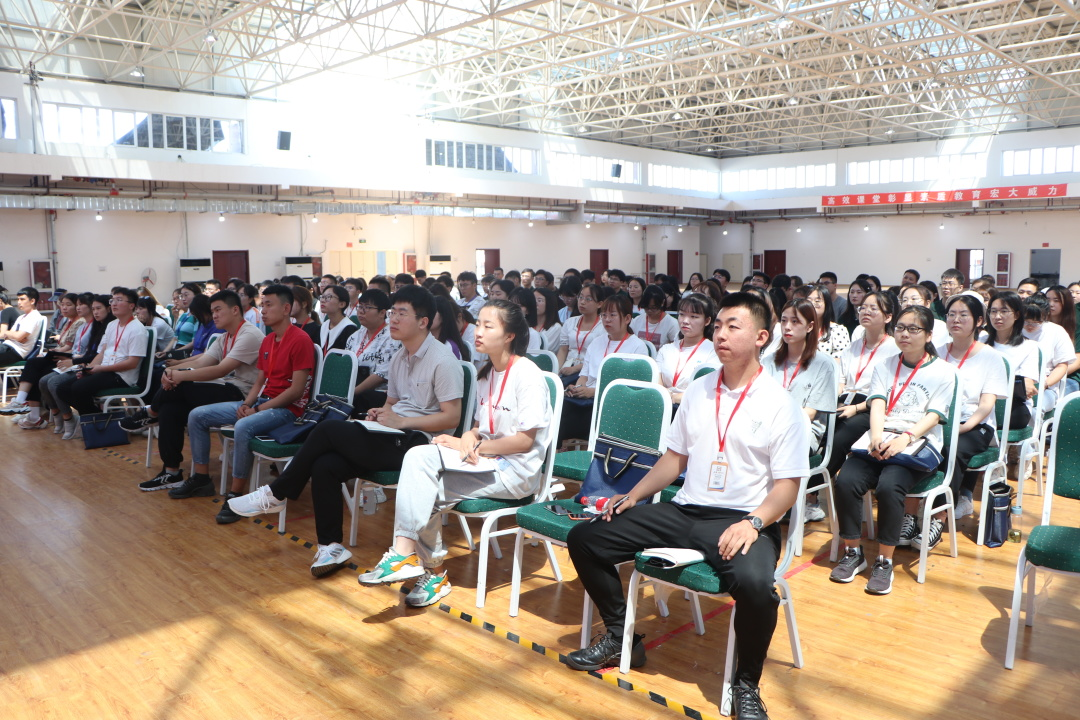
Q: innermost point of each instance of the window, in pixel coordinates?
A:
(7, 119)
(573, 168)
(681, 178)
(476, 156)
(101, 127)
(952, 168)
(1041, 161)
(780, 178)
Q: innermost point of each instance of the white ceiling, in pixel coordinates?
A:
(698, 76)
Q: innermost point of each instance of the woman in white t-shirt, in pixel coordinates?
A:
(579, 332)
(983, 380)
(857, 370)
(1057, 348)
(680, 361)
(910, 395)
(547, 318)
(833, 338)
(373, 348)
(334, 333)
(1005, 333)
(500, 457)
(524, 298)
(653, 324)
(635, 288)
(581, 396)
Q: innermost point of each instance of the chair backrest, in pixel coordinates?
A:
(544, 359)
(337, 376)
(1003, 410)
(555, 394)
(650, 348)
(147, 363)
(951, 428)
(213, 339)
(705, 370)
(468, 398)
(1063, 470)
(39, 341)
(636, 411)
(624, 366)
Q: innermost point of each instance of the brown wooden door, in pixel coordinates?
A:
(775, 262)
(963, 263)
(230, 264)
(492, 260)
(674, 265)
(598, 262)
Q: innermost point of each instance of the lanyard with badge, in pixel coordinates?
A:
(719, 468)
(498, 401)
(894, 397)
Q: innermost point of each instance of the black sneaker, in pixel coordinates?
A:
(198, 485)
(605, 652)
(932, 536)
(909, 528)
(880, 582)
(226, 515)
(746, 702)
(849, 566)
(137, 421)
(163, 481)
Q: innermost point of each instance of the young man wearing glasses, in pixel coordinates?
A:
(423, 399)
(471, 300)
(952, 283)
(117, 364)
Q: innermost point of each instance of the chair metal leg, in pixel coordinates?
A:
(586, 621)
(354, 507)
(1029, 615)
(868, 516)
(515, 577)
(631, 619)
(151, 429)
(225, 455)
(729, 667)
(792, 626)
(661, 593)
(466, 531)
(555, 569)
(695, 613)
(1014, 619)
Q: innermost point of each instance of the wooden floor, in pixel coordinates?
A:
(120, 604)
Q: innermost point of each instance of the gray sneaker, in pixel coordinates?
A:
(880, 582)
(849, 566)
(965, 507)
(909, 528)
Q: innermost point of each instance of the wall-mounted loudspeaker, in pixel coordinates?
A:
(284, 140)
(616, 170)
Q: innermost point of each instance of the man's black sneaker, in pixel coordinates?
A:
(226, 514)
(746, 702)
(138, 420)
(605, 652)
(198, 485)
(163, 481)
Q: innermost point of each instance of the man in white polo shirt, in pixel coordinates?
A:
(19, 339)
(744, 454)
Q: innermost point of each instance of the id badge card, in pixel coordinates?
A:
(718, 471)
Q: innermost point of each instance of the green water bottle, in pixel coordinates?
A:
(1017, 517)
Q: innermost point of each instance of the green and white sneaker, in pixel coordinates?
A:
(393, 567)
(428, 590)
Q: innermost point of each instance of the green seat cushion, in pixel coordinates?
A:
(126, 390)
(983, 459)
(1018, 435)
(228, 432)
(537, 518)
(572, 465)
(384, 477)
(931, 482)
(482, 505)
(269, 448)
(700, 576)
(1055, 547)
(668, 493)
(815, 460)
(19, 364)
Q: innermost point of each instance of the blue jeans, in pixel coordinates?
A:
(203, 418)
(1071, 386)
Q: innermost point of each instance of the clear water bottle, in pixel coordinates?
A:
(1017, 517)
(595, 504)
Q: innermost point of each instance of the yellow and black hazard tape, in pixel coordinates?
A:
(121, 456)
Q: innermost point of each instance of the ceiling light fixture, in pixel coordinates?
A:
(679, 228)
(798, 229)
(941, 226)
(98, 217)
(793, 101)
(889, 131)
(865, 228)
(582, 128)
(530, 223)
(395, 219)
(677, 116)
(210, 38)
(221, 217)
(725, 232)
(136, 72)
(314, 218)
(588, 225)
(636, 227)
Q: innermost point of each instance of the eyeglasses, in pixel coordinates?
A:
(118, 300)
(1001, 313)
(949, 284)
(958, 316)
(585, 298)
(868, 309)
(327, 298)
(401, 314)
(909, 329)
(610, 316)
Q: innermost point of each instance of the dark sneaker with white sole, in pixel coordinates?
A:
(138, 420)
(746, 702)
(163, 481)
(880, 582)
(932, 536)
(909, 528)
(849, 566)
(225, 514)
(605, 652)
(198, 485)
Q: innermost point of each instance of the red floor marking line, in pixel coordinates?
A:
(302, 517)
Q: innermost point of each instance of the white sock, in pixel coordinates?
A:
(21, 396)
(35, 413)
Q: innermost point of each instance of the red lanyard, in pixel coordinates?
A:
(721, 439)
(893, 399)
(120, 334)
(326, 345)
(948, 354)
(678, 369)
(226, 345)
(647, 333)
(798, 367)
(371, 339)
(498, 401)
(577, 335)
(861, 366)
(607, 345)
(305, 323)
(82, 333)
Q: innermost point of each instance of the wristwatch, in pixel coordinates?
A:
(755, 522)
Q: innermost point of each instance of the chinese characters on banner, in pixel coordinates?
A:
(1017, 192)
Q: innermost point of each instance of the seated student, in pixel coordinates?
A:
(653, 324)
(355, 287)
(500, 457)
(1027, 287)
(1005, 333)
(1056, 346)
(833, 338)
(423, 399)
(680, 361)
(447, 330)
(909, 410)
(277, 396)
(335, 332)
(1063, 314)
(224, 373)
(146, 313)
(116, 365)
(374, 349)
(186, 324)
(84, 350)
(20, 338)
(470, 298)
(857, 291)
(526, 300)
(200, 309)
(806, 373)
(729, 516)
(952, 283)
(28, 397)
(248, 295)
(983, 381)
(920, 295)
(8, 314)
(581, 396)
(547, 318)
(569, 289)
(500, 290)
(579, 332)
(857, 370)
(635, 288)
(301, 313)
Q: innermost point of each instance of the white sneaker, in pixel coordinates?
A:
(58, 422)
(14, 406)
(329, 558)
(965, 507)
(813, 513)
(72, 429)
(380, 495)
(256, 503)
(27, 424)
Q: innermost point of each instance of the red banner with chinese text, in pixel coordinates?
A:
(1016, 192)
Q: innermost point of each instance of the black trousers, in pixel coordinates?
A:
(576, 421)
(173, 407)
(9, 355)
(968, 445)
(80, 394)
(892, 483)
(32, 373)
(847, 432)
(597, 547)
(334, 452)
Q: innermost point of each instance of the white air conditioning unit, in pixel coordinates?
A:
(195, 270)
(299, 265)
(438, 264)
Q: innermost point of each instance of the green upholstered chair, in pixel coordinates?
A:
(141, 388)
(544, 360)
(991, 463)
(1052, 548)
(14, 371)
